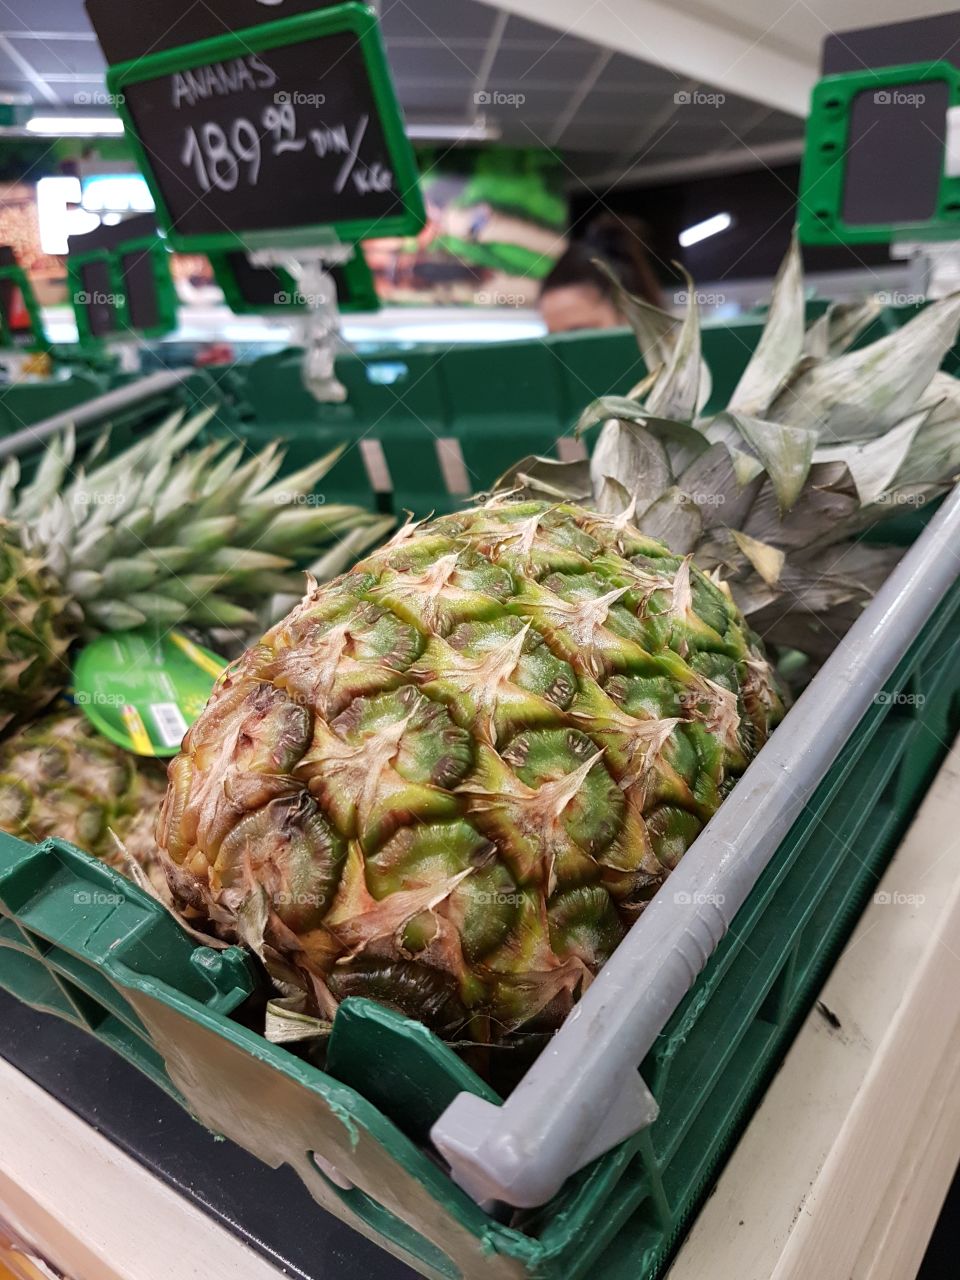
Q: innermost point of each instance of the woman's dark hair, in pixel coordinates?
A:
(619, 243)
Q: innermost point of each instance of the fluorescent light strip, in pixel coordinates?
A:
(701, 230)
(467, 132)
(75, 126)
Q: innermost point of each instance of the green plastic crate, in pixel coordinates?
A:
(426, 427)
(77, 940)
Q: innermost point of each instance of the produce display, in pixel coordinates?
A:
(453, 775)
(450, 779)
(154, 534)
(59, 777)
(817, 444)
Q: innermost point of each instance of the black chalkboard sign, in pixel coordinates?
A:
(158, 26)
(120, 280)
(269, 137)
(879, 162)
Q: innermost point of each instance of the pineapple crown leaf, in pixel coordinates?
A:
(781, 341)
(816, 442)
(126, 535)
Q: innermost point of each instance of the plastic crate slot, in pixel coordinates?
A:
(19, 939)
(452, 466)
(79, 976)
(384, 1223)
(776, 1002)
(30, 981)
(844, 899)
(90, 1012)
(564, 1227)
(689, 1160)
(138, 1052)
(577, 1243)
(758, 962)
(375, 463)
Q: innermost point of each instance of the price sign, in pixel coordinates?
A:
(120, 281)
(159, 26)
(264, 138)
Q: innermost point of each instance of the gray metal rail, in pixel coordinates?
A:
(584, 1094)
(99, 409)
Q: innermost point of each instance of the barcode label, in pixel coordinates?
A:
(170, 723)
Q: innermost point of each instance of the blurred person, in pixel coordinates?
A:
(577, 295)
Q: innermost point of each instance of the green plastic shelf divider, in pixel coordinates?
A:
(820, 217)
(15, 276)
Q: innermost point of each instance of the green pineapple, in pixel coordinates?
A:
(59, 777)
(154, 535)
(450, 779)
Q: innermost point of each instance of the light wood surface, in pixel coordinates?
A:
(843, 1169)
(96, 1213)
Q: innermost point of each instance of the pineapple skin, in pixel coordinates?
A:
(59, 777)
(35, 634)
(451, 779)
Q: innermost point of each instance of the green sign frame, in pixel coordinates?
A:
(820, 217)
(359, 278)
(351, 18)
(8, 337)
(113, 259)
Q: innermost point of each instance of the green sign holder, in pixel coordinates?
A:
(353, 19)
(119, 289)
(17, 339)
(823, 176)
(356, 291)
(165, 298)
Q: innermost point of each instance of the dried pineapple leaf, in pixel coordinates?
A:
(712, 485)
(674, 520)
(535, 477)
(781, 341)
(675, 395)
(839, 327)
(613, 499)
(655, 329)
(634, 458)
(768, 561)
(862, 394)
(286, 1023)
(874, 464)
(785, 451)
(669, 430)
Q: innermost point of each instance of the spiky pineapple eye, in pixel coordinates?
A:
(289, 848)
(592, 816)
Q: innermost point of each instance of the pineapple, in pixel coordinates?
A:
(59, 777)
(450, 779)
(154, 535)
(817, 444)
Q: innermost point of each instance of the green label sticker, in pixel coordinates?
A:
(143, 691)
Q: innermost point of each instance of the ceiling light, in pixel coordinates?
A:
(701, 230)
(75, 126)
(475, 131)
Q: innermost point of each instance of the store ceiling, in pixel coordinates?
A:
(612, 117)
